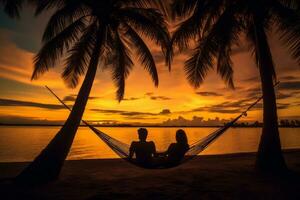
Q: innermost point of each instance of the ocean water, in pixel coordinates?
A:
(18, 143)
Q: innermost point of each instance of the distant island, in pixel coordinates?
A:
(282, 123)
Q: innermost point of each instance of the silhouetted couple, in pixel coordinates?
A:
(146, 155)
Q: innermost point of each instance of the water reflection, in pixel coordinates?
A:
(24, 143)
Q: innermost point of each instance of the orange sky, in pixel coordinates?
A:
(23, 101)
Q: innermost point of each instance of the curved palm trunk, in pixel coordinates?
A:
(47, 165)
(269, 157)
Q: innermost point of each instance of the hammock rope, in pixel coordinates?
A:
(122, 149)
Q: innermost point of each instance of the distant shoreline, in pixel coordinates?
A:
(135, 126)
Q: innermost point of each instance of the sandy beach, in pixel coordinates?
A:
(206, 177)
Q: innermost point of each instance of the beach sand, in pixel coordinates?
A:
(205, 177)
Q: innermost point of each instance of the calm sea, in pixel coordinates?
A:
(24, 143)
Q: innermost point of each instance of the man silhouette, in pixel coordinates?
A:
(143, 150)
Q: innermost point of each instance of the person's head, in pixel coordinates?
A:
(181, 137)
(142, 134)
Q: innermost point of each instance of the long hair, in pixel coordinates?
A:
(181, 137)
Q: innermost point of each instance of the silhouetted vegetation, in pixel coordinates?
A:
(215, 28)
(92, 34)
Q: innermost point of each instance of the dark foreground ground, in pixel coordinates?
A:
(206, 177)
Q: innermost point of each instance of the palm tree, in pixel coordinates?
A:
(92, 34)
(220, 25)
(12, 7)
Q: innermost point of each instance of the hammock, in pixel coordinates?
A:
(122, 149)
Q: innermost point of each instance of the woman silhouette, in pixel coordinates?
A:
(176, 151)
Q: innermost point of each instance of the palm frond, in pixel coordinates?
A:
(293, 4)
(151, 24)
(201, 61)
(288, 23)
(79, 56)
(162, 5)
(187, 30)
(144, 54)
(12, 7)
(204, 15)
(43, 5)
(224, 66)
(62, 18)
(223, 34)
(184, 8)
(53, 49)
(122, 66)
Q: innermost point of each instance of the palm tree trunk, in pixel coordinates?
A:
(269, 157)
(47, 165)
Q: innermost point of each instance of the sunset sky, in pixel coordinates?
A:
(26, 101)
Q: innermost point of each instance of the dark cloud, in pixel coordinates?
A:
(72, 98)
(217, 109)
(290, 85)
(153, 97)
(294, 117)
(131, 113)
(132, 99)
(165, 112)
(196, 121)
(281, 96)
(252, 79)
(149, 93)
(289, 78)
(160, 98)
(281, 106)
(209, 94)
(227, 107)
(253, 92)
(12, 102)
(12, 119)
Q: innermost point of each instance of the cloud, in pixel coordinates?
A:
(131, 113)
(195, 121)
(252, 79)
(153, 97)
(132, 99)
(13, 119)
(209, 94)
(149, 93)
(12, 102)
(165, 112)
(229, 107)
(282, 106)
(290, 85)
(72, 98)
(253, 92)
(289, 78)
(281, 96)
(160, 98)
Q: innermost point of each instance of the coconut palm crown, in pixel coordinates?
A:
(215, 27)
(115, 27)
(92, 34)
